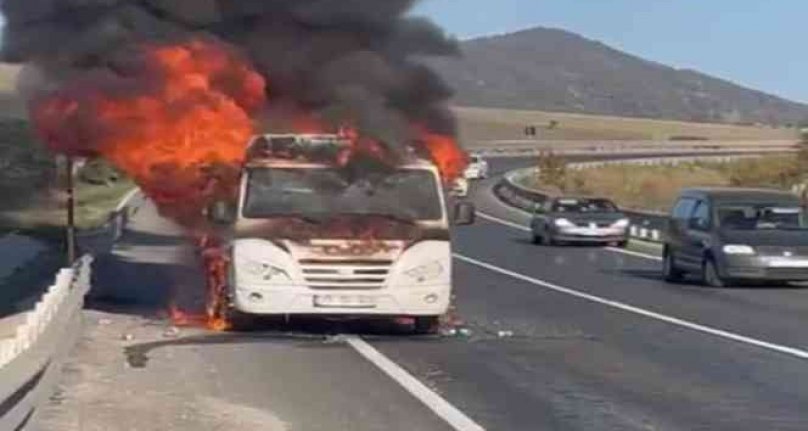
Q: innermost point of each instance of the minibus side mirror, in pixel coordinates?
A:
(464, 214)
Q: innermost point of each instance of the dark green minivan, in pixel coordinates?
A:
(734, 235)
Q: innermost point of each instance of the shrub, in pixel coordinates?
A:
(779, 172)
(552, 170)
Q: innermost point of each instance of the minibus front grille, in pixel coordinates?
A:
(347, 274)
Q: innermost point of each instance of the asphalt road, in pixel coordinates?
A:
(560, 339)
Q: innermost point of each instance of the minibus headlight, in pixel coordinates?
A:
(264, 271)
(425, 272)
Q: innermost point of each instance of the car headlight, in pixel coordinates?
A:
(425, 272)
(562, 222)
(264, 271)
(622, 223)
(738, 249)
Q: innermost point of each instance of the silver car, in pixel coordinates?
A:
(579, 220)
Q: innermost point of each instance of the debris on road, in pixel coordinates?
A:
(172, 332)
(504, 334)
(448, 332)
(464, 332)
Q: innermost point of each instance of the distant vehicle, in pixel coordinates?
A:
(460, 188)
(579, 220)
(311, 238)
(477, 168)
(728, 235)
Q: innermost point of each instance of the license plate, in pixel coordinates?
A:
(788, 263)
(344, 301)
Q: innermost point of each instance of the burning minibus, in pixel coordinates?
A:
(313, 233)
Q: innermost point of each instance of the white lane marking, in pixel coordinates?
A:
(449, 413)
(503, 222)
(802, 354)
(634, 253)
(527, 229)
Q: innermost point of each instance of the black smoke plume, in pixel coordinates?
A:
(344, 60)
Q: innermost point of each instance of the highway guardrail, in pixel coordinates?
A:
(31, 355)
(645, 225)
(527, 148)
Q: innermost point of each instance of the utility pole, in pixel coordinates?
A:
(71, 208)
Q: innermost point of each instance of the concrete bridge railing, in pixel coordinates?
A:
(34, 344)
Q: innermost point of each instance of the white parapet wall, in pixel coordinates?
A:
(30, 359)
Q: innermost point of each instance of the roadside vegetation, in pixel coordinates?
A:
(655, 187)
(32, 199)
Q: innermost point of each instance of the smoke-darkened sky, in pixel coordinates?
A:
(343, 59)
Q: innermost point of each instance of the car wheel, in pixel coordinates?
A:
(547, 239)
(710, 274)
(670, 271)
(426, 325)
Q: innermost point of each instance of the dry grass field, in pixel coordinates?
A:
(483, 124)
(656, 187)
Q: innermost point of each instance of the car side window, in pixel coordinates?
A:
(701, 216)
(683, 209)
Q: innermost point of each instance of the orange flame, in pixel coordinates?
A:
(183, 318)
(178, 128)
(450, 159)
(216, 264)
(177, 123)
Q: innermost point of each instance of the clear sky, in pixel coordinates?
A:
(762, 44)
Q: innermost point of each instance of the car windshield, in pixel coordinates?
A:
(320, 192)
(584, 206)
(761, 217)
